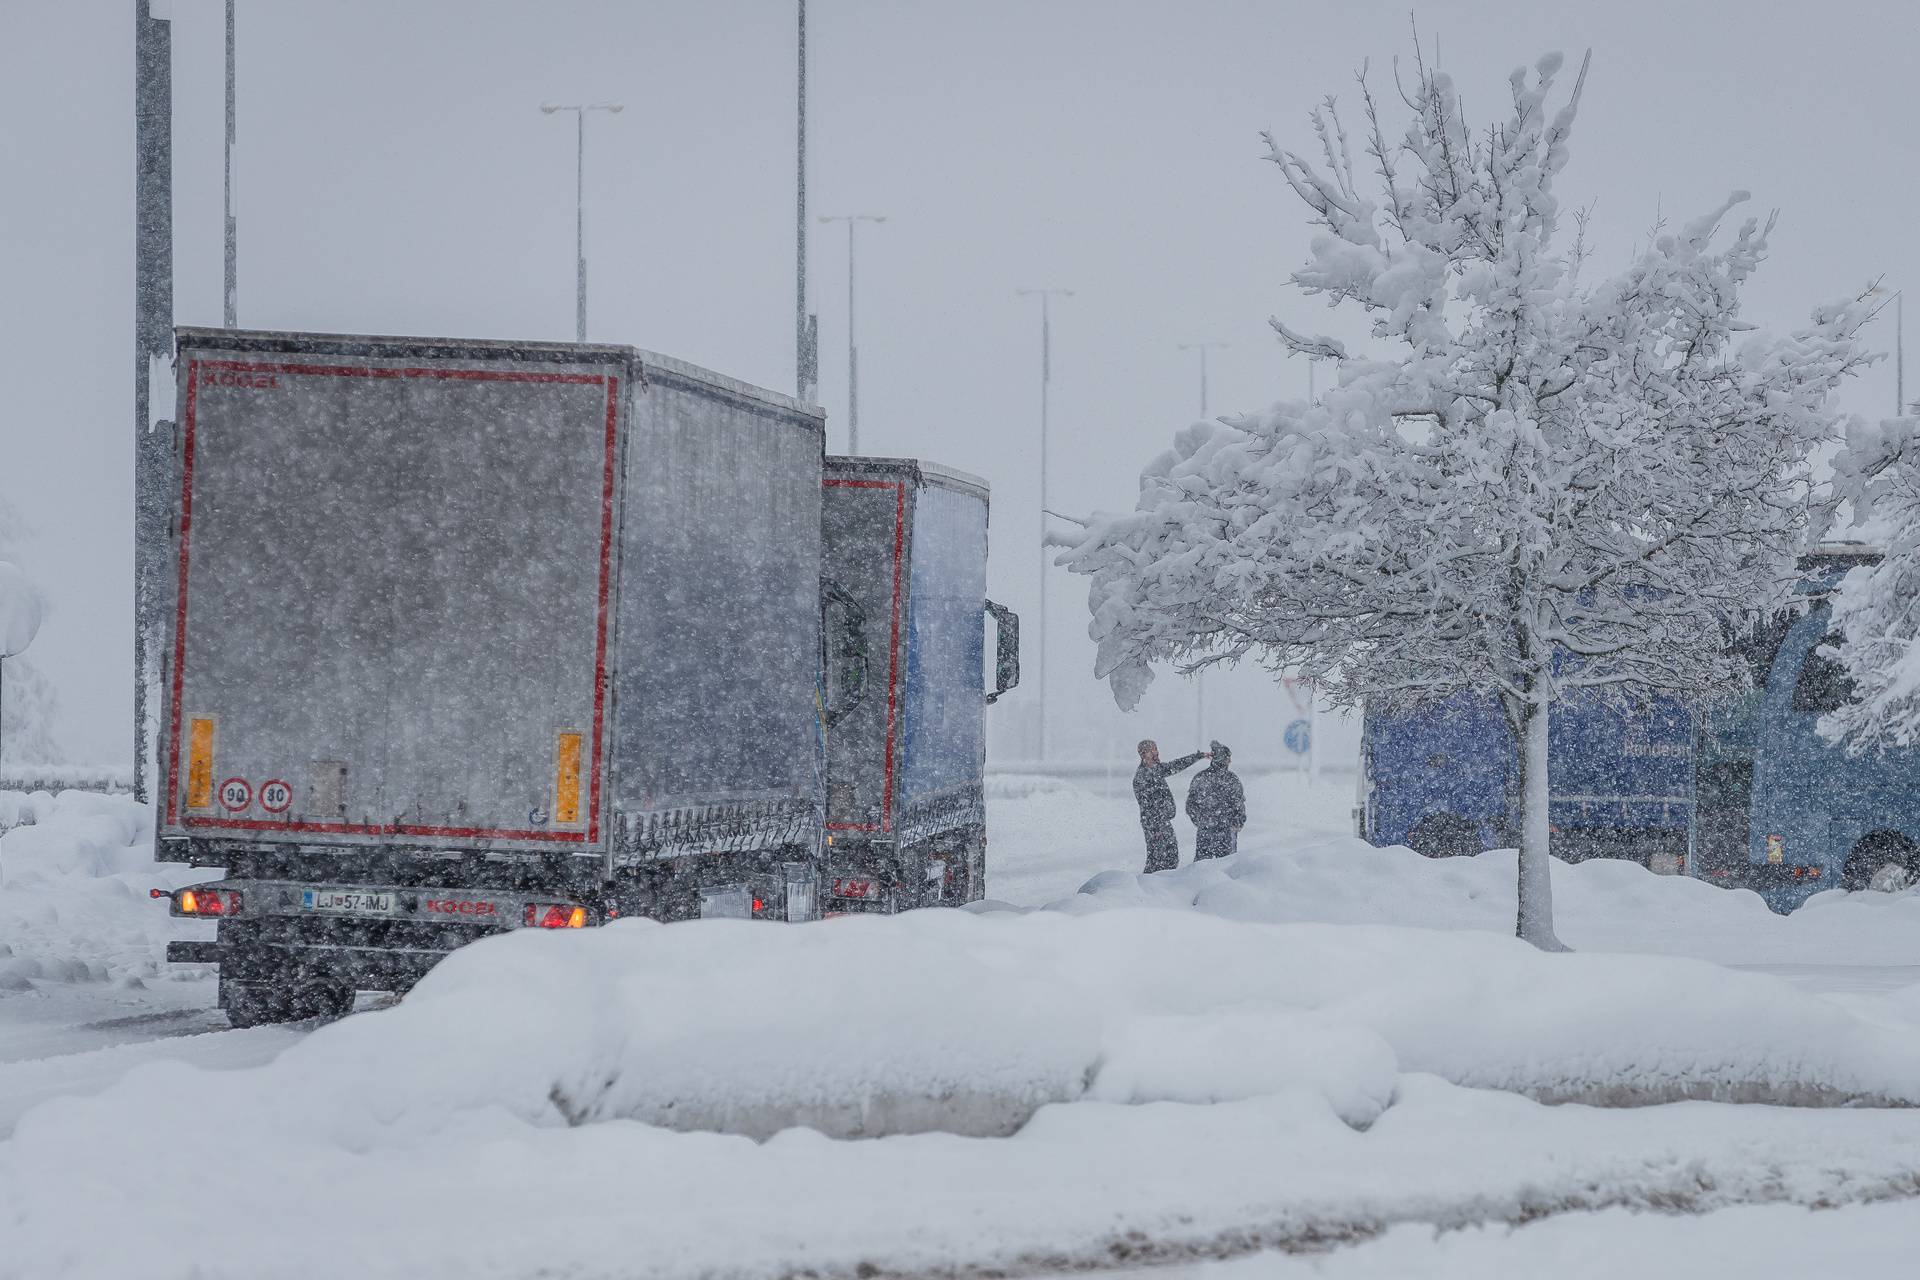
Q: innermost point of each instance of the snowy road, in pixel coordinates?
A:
(78, 1040)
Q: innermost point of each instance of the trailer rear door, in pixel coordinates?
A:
(393, 599)
(866, 512)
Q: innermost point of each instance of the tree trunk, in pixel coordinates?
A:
(1534, 920)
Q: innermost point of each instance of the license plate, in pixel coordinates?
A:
(352, 902)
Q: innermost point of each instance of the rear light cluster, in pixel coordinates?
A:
(1809, 873)
(200, 902)
(555, 915)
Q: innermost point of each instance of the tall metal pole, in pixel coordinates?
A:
(806, 328)
(1046, 384)
(152, 343)
(1899, 354)
(853, 353)
(580, 225)
(232, 227)
(853, 349)
(1200, 677)
(1202, 348)
(580, 204)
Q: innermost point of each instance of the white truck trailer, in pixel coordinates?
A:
(471, 636)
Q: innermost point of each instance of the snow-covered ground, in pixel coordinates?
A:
(1316, 1044)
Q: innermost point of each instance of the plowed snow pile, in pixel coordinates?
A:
(1604, 904)
(74, 873)
(1165, 1076)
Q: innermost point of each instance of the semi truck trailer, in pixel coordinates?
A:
(471, 636)
(904, 549)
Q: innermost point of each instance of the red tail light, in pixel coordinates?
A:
(555, 915)
(206, 902)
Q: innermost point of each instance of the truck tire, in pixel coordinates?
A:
(1444, 835)
(295, 999)
(1882, 860)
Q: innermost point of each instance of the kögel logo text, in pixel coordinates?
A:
(258, 381)
(450, 907)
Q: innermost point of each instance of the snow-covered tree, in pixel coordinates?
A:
(1533, 487)
(1877, 608)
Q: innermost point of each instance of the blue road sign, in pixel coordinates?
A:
(1299, 737)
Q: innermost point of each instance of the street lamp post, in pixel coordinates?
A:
(1203, 348)
(1200, 677)
(232, 275)
(1046, 382)
(853, 351)
(152, 345)
(806, 326)
(580, 202)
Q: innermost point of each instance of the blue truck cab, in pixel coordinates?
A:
(1815, 817)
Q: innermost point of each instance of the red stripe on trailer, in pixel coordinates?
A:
(385, 829)
(600, 618)
(612, 384)
(180, 599)
(893, 659)
(364, 371)
(893, 650)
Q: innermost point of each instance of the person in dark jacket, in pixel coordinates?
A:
(1217, 806)
(1155, 798)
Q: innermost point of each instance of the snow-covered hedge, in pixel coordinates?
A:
(970, 1023)
(1167, 1077)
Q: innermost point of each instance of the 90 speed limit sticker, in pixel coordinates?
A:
(235, 794)
(275, 796)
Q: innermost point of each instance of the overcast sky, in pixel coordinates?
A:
(396, 176)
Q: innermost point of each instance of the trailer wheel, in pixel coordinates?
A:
(1444, 835)
(1883, 860)
(255, 1003)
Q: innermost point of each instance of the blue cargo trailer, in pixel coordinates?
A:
(1443, 778)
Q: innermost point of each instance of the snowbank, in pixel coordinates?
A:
(1600, 905)
(968, 1024)
(74, 873)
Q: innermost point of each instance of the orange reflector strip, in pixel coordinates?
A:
(200, 765)
(578, 920)
(566, 782)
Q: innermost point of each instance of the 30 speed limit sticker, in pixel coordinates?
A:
(275, 796)
(235, 794)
